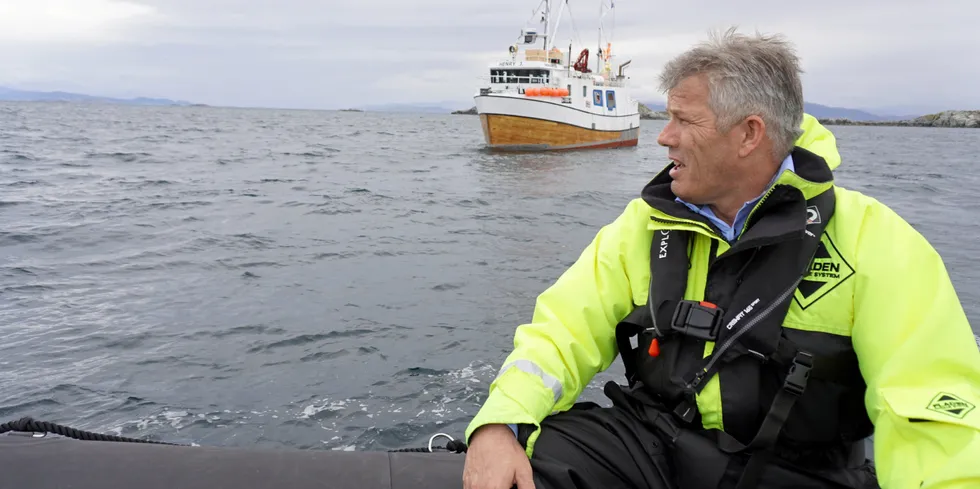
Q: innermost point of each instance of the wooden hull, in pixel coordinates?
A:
(518, 133)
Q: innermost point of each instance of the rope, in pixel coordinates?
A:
(28, 424)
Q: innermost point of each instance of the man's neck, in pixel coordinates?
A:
(753, 185)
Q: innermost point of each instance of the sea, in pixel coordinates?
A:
(328, 280)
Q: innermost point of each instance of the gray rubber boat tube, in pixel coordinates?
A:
(29, 461)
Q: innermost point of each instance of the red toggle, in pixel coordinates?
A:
(708, 304)
(654, 349)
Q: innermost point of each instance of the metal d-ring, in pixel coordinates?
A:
(436, 436)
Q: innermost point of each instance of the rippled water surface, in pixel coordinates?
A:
(326, 279)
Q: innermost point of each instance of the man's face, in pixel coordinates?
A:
(704, 159)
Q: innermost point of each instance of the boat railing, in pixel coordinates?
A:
(517, 80)
(543, 80)
(606, 82)
(611, 83)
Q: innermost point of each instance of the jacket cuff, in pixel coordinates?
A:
(516, 397)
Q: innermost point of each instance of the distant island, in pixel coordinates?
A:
(948, 118)
(830, 116)
(415, 108)
(11, 94)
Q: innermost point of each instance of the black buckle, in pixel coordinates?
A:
(798, 374)
(697, 319)
(686, 409)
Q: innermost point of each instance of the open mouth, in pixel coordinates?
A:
(678, 166)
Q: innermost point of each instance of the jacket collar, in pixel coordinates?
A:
(783, 206)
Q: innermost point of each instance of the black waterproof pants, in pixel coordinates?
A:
(592, 447)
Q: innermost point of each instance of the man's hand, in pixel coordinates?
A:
(495, 460)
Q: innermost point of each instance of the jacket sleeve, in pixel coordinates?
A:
(919, 359)
(571, 335)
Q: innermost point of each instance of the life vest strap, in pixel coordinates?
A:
(765, 439)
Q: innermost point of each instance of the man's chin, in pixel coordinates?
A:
(678, 190)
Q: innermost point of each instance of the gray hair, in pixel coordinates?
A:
(756, 75)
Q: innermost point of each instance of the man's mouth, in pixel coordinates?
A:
(677, 166)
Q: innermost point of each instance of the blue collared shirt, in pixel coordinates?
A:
(732, 232)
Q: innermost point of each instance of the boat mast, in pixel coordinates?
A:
(547, 14)
(554, 31)
(598, 51)
(600, 54)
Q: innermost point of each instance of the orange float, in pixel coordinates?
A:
(546, 92)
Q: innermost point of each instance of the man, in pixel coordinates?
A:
(782, 322)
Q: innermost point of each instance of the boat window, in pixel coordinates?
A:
(597, 98)
(610, 99)
(525, 76)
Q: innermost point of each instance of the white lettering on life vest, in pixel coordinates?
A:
(663, 243)
(737, 318)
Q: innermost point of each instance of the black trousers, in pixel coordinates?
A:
(594, 447)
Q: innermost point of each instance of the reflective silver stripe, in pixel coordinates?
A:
(530, 367)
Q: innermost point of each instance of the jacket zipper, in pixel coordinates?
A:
(731, 340)
(758, 205)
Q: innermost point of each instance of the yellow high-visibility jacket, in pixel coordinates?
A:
(916, 350)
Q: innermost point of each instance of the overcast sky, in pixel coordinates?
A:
(908, 55)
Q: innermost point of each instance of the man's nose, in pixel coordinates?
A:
(668, 136)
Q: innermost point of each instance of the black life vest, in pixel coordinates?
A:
(796, 393)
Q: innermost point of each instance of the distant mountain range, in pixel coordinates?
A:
(827, 112)
(34, 96)
(817, 110)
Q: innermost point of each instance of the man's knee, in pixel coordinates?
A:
(565, 428)
(592, 446)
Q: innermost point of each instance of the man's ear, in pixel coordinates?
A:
(753, 130)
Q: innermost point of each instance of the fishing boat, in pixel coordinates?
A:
(538, 98)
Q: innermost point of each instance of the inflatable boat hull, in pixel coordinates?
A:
(52, 461)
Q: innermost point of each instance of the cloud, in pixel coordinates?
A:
(332, 54)
(46, 22)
